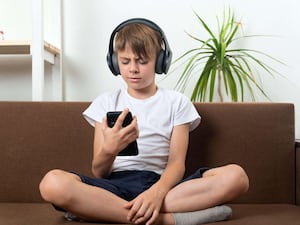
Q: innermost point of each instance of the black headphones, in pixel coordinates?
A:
(163, 60)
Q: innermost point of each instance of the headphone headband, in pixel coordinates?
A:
(163, 61)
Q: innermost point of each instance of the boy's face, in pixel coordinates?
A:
(138, 73)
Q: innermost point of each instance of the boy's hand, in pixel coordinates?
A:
(118, 137)
(145, 208)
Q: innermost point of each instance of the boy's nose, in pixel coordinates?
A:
(133, 67)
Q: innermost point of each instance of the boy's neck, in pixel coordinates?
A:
(142, 94)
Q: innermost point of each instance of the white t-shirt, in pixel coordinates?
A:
(156, 117)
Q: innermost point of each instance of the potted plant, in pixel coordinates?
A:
(224, 68)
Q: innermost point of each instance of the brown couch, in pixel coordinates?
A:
(38, 136)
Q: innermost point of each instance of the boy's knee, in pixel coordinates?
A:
(51, 186)
(239, 178)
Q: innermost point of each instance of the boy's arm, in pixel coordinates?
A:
(148, 204)
(102, 163)
(175, 168)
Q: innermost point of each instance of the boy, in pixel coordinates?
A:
(146, 188)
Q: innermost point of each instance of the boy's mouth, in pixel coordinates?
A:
(134, 79)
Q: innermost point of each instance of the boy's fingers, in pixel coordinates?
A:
(121, 118)
(104, 122)
(153, 218)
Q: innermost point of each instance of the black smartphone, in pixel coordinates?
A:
(132, 148)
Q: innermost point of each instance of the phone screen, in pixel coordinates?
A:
(132, 148)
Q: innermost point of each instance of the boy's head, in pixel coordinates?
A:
(141, 39)
(144, 38)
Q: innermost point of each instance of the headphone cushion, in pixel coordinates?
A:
(114, 64)
(160, 61)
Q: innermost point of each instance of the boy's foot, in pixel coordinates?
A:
(214, 214)
(71, 217)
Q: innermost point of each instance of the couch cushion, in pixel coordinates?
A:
(263, 214)
(243, 214)
(258, 136)
(33, 214)
(36, 137)
(298, 171)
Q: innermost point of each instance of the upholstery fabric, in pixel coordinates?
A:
(38, 136)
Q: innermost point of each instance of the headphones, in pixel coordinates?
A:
(163, 60)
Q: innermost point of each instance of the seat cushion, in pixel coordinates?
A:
(245, 214)
(263, 214)
(33, 214)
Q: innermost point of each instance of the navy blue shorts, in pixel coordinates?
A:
(129, 184)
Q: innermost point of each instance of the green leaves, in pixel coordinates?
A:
(222, 69)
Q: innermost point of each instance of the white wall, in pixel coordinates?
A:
(15, 70)
(87, 25)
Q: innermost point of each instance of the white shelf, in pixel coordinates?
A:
(24, 48)
(40, 51)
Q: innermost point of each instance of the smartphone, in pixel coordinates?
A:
(132, 148)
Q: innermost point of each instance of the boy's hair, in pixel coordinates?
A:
(143, 40)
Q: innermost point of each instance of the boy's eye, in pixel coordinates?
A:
(125, 62)
(143, 61)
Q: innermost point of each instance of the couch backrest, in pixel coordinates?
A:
(258, 136)
(38, 136)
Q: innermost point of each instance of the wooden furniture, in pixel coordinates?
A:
(24, 48)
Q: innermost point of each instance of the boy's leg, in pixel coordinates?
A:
(217, 186)
(194, 201)
(66, 190)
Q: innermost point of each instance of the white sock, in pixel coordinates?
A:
(214, 214)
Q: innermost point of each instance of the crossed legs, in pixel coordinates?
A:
(217, 186)
(66, 190)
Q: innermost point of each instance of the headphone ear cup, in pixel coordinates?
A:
(115, 64)
(159, 66)
(112, 63)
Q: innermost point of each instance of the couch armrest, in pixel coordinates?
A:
(297, 147)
